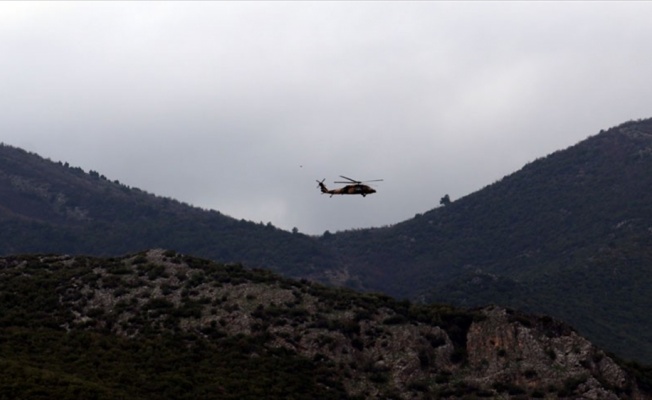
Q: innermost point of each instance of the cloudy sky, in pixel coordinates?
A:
(241, 106)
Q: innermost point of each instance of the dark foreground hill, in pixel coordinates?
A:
(161, 325)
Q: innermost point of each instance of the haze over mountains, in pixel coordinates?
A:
(567, 235)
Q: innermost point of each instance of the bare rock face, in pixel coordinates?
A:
(540, 355)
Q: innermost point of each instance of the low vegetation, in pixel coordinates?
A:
(159, 324)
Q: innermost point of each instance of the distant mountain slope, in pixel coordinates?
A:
(52, 207)
(162, 325)
(569, 235)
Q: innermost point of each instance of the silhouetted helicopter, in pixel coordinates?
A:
(353, 187)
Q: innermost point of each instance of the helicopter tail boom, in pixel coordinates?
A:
(324, 189)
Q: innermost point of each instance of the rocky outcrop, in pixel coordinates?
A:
(541, 355)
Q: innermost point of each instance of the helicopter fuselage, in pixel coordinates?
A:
(357, 188)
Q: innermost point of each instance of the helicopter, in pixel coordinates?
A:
(352, 187)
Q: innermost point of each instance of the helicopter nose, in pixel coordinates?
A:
(372, 190)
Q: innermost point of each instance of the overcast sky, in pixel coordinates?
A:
(241, 106)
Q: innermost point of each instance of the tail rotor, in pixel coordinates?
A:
(320, 185)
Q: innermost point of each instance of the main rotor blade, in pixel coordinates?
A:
(359, 182)
(352, 180)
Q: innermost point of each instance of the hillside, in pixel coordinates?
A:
(162, 325)
(568, 235)
(53, 207)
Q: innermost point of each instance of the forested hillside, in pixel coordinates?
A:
(53, 207)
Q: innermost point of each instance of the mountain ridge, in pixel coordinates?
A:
(53, 207)
(470, 212)
(567, 235)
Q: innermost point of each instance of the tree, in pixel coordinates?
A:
(446, 200)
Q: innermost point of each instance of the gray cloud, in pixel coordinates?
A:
(240, 106)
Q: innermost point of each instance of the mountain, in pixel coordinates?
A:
(53, 207)
(163, 325)
(569, 235)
